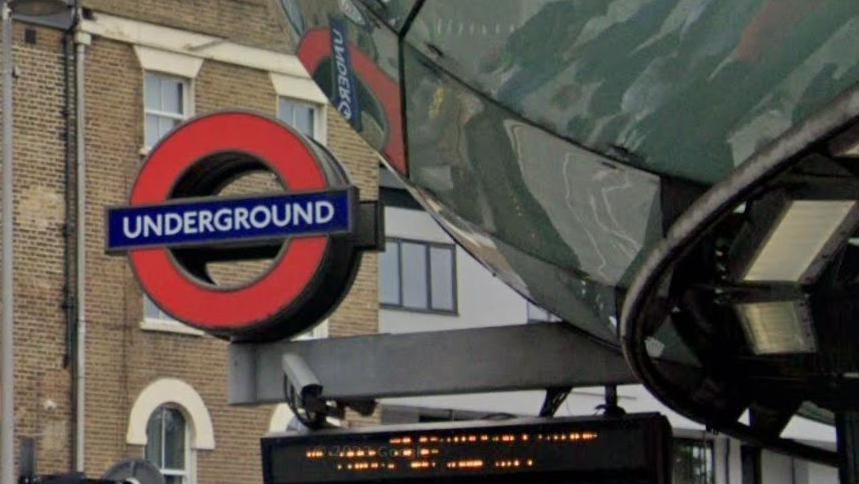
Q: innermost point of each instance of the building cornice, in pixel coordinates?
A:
(192, 44)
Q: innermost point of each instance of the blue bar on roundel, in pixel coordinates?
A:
(216, 221)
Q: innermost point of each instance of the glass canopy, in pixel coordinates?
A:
(557, 140)
(688, 88)
(563, 142)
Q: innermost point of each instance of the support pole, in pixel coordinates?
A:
(847, 430)
(7, 356)
(610, 407)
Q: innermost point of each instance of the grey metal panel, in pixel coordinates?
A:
(505, 358)
(242, 375)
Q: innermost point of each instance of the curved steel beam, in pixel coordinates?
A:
(690, 228)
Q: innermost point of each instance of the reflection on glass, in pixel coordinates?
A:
(153, 134)
(693, 462)
(171, 96)
(414, 274)
(152, 92)
(392, 12)
(164, 105)
(151, 311)
(536, 314)
(390, 276)
(299, 115)
(442, 278)
(165, 125)
(632, 89)
(305, 120)
(550, 206)
(587, 304)
(373, 105)
(293, 11)
(536, 192)
(686, 88)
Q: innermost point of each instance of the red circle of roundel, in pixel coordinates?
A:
(178, 293)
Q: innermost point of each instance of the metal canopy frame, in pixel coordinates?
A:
(493, 359)
(813, 136)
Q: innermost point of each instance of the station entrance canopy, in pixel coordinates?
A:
(675, 178)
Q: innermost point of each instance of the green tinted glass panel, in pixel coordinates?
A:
(537, 192)
(690, 88)
(414, 275)
(565, 217)
(392, 12)
(373, 62)
(442, 278)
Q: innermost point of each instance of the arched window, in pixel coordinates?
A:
(168, 444)
(170, 421)
(175, 394)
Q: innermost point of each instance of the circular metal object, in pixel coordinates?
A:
(308, 275)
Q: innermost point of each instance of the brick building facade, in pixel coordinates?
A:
(228, 54)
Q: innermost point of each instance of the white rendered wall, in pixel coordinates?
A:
(482, 299)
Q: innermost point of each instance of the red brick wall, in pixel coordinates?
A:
(116, 377)
(42, 404)
(122, 359)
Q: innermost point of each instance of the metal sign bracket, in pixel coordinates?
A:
(366, 368)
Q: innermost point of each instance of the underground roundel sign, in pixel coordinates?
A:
(176, 225)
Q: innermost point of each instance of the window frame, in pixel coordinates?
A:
(187, 474)
(147, 323)
(188, 104)
(320, 331)
(427, 244)
(320, 117)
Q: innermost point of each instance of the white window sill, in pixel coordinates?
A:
(168, 326)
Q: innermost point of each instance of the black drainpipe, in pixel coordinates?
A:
(69, 303)
(68, 225)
